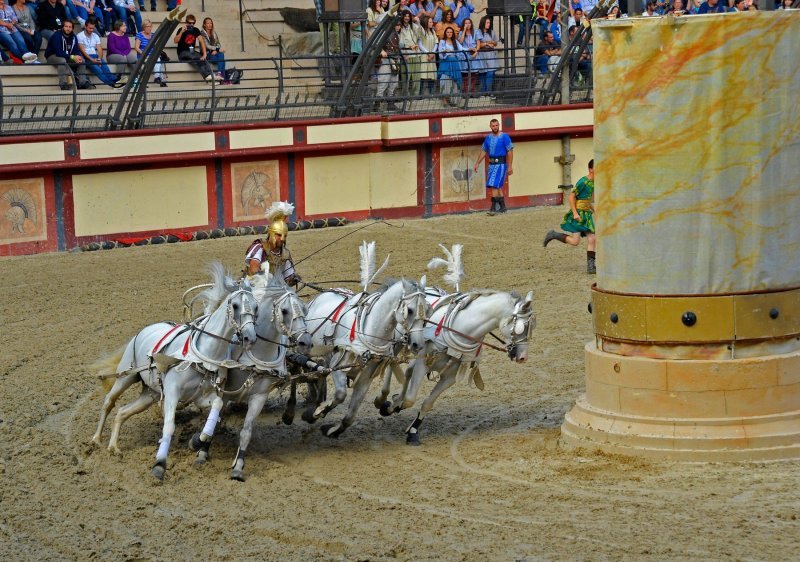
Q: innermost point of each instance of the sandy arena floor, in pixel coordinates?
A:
(490, 481)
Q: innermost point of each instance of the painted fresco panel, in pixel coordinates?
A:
(23, 216)
(457, 180)
(254, 187)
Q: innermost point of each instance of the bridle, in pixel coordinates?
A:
(247, 313)
(519, 325)
(298, 314)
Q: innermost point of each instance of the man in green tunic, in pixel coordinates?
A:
(579, 221)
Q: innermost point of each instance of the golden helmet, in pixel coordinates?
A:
(277, 214)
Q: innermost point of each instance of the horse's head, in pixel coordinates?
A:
(242, 311)
(289, 313)
(412, 312)
(517, 328)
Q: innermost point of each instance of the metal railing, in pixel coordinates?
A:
(271, 89)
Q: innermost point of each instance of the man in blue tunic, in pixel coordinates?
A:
(498, 150)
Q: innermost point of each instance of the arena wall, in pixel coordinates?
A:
(60, 193)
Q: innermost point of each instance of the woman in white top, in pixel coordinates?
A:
(428, 43)
(409, 49)
(375, 14)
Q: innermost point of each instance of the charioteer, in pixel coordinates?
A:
(273, 256)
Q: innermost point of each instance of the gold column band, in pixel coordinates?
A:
(696, 319)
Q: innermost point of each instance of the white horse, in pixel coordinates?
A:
(358, 334)
(178, 362)
(281, 324)
(454, 340)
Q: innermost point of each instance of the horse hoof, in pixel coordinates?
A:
(287, 419)
(158, 471)
(195, 443)
(201, 459)
(308, 415)
(115, 451)
(237, 475)
(412, 439)
(327, 431)
(379, 402)
(386, 409)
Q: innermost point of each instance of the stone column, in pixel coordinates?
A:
(696, 309)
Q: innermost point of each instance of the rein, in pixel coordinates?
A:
(468, 337)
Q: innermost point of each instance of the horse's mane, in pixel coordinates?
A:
(389, 281)
(214, 295)
(487, 292)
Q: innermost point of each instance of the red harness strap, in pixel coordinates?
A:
(353, 328)
(439, 326)
(338, 311)
(157, 346)
(186, 345)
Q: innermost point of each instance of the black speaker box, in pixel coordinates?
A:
(509, 8)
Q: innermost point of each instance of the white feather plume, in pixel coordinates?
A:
(455, 269)
(279, 210)
(368, 272)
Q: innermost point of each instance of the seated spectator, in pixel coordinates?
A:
(614, 12)
(119, 49)
(785, 5)
(140, 44)
(447, 21)
(27, 26)
(677, 8)
(582, 59)
(10, 37)
(51, 14)
(126, 8)
(192, 48)
(544, 13)
(650, 9)
(547, 53)
(216, 53)
(712, 7)
(576, 18)
(92, 52)
(105, 14)
(62, 50)
(79, 10)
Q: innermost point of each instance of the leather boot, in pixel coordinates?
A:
(494, 206)
(553, 235)
(591, 265)
(501, 204)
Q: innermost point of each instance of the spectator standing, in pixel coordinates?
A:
(428, 43)
(582, 58)
(51, 15)
(447, 21)
(487, 56)
(579, 220)
(119, 49)
(375, 14)
(140, 44)
(587, 6)
(192, 48)
(650, 9)
(449, 67)
(409, 36)
(10, 37)
(497, 150)
(27, 27)
(63, 52)
(417, 9)
(470, 64)
(677, 8)
(462, 10)
(389, 69)
(216, 53)
(92, 52)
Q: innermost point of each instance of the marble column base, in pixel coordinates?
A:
(688, 410)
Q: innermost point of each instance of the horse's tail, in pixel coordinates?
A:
(106, 367)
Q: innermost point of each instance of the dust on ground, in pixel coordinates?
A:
(490, 481)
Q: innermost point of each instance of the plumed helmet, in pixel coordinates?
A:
(277, 214)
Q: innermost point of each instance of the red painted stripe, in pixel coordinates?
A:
(186, 345)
